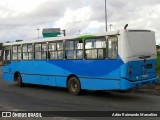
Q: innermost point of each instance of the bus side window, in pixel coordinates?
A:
(70, 50)
(112, 47)
(44, 51)
(95, 48)
(6, 55)
(56, 51)
(19, 53)
(14, 53)
(74, 49)
(30, 51)
(60, 53)
(27, 52)
(101, 48)
(52, 54)
(37, 49)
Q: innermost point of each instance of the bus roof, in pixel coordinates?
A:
(82, 36)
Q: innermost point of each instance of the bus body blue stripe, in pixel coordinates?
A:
(115, 72)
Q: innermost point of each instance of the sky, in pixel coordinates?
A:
(20, 19)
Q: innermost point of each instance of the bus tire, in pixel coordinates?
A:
(18, 79)
(74, 86)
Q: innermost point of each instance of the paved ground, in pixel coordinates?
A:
(42, 98)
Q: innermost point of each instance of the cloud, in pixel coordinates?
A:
(19, 19)
(74, 20)
(20, 24)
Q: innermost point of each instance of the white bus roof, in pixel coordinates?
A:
(109, 33)
(61, 38)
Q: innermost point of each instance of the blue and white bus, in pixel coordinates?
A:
(115, 60)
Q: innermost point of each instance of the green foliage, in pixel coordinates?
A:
(158, 62)
(158, 53)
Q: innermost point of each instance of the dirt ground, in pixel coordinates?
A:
(150, 89)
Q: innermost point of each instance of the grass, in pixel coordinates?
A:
(158, 62)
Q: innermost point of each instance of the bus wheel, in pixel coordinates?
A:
(74, 86)
(18, 79)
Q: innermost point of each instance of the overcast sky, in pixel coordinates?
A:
(20, 19)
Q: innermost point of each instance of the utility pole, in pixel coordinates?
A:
(79, 32)
(38, 32)
(110, 26)
(106, 14)
(64, 32)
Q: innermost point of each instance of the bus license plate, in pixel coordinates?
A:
(145, 75)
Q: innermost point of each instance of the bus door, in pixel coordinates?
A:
(7, 57)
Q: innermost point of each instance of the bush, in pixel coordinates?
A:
(158, 53)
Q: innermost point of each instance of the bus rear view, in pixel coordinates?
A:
(140, 58)
(115, 60)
